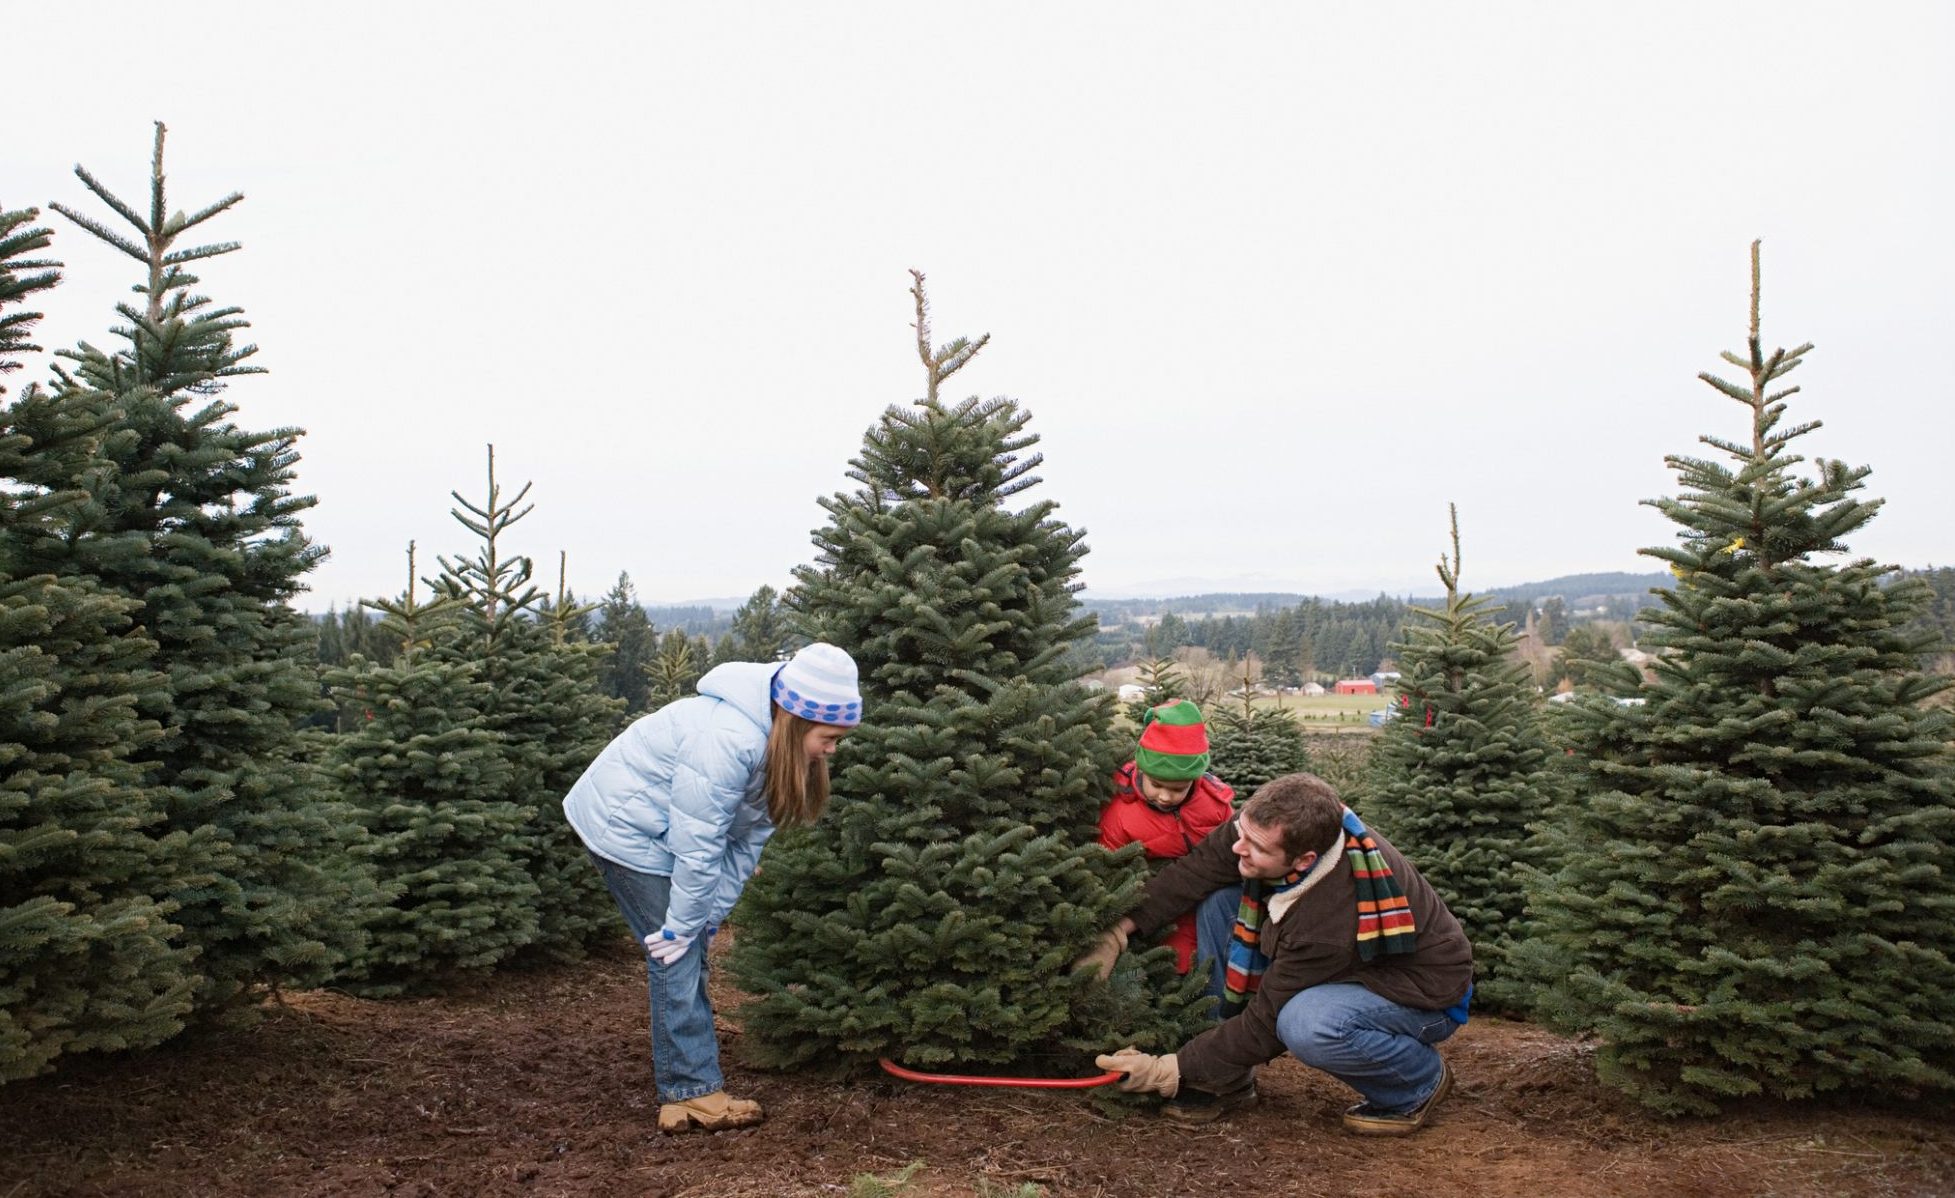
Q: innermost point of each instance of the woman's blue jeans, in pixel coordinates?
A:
(685, 1051)
(1379, 1048)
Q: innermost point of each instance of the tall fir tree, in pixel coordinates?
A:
(330, 647)
(1464, 773)
(89, 960)
(932, 915)
(431, 786)
(760, 631)
(1552, 627)
(365, 637)
(544, 705)
(1756, 895)
(22, 276)
(623, 625)
(1280, 642)
(195, 518)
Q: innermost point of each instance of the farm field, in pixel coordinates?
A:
(1321, 713)
(538, 1084)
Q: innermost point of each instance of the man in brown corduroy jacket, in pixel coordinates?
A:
(1359, 985)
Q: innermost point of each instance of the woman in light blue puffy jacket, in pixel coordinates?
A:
(675, 812)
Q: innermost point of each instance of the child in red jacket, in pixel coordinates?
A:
(1166, 799)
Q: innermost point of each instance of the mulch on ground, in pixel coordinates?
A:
(539, 1084)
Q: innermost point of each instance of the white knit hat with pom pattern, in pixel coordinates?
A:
(818, 684)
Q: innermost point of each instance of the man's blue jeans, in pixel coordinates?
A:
(685, 1052)
(1379, 1048)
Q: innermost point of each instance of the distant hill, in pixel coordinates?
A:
(700, 619)
(1221, 603)
(1577, 590)
(1574, 588)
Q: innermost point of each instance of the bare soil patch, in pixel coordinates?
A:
(540, 1084)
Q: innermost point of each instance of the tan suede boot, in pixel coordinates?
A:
(709, 1112)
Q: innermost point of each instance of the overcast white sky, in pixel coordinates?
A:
(1277, 281)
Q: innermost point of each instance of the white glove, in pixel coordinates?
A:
(666, 946)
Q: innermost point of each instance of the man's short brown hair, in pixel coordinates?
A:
(1303, 808)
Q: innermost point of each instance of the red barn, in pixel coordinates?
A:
(1355, 686)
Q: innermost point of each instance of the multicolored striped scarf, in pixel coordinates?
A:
(1385, 923)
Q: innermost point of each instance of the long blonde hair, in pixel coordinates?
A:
(797, 787)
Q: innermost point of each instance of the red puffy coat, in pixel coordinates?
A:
(1165, 835)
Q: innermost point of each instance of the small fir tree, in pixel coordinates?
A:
(1248, 749)
(544, 706)
(1756, 893)
(1160, 682)
(933, 914)
(1249, 745)
(431, 785)
(1587, 652)
(677, 668)
(1462, 775)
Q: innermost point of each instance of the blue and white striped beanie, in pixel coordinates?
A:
(818, 684)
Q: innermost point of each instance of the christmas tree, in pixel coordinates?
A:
(1248, 744)
(1757, 892)
(544, 706)
(1160, 681)
(89, 960)
(1248, 748)
(431, 787)
(1464, 771)
(933, 914)
(194, 517)
(678, 666)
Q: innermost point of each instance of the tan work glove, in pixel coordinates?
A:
(1104, 952)
(1146, 1074)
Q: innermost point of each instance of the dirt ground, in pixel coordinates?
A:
(539, 1084)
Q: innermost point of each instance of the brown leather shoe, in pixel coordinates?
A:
(1190, 1105)
(1366, 1120)
(709, 1112)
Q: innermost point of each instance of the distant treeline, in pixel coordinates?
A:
(1296, 637)
(1121, 611)
(1299, 637)
(1939, 617)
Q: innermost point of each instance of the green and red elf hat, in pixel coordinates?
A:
(1173, 742)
